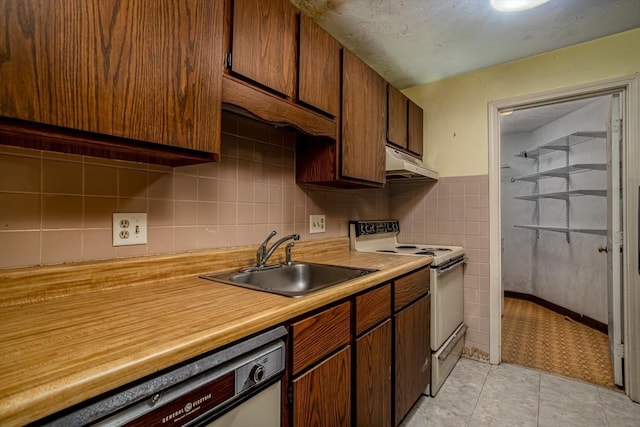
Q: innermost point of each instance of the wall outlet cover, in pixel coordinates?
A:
(316, 224)
(129, 229)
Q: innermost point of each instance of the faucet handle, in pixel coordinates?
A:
(273, 233)
(262, 250)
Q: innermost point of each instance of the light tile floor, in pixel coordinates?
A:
(479, 394)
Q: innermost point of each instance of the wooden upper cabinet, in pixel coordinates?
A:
(397, 117)
(146, 70)
(319, 75)
(404, 122)
(263, 43)
(415, 138)
(364, 119)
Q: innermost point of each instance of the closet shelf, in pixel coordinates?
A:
(560, 148)
(562, 144)
(597, 231)
(563, 195)
(562, 172)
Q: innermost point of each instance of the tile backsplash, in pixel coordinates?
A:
(57, 208)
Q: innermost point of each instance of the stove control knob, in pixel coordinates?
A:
(257, 373)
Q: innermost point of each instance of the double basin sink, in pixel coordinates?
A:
(293, 280)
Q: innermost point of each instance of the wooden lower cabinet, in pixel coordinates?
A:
(366, 352)
(412, 350)
(322, 396)
(373, 377)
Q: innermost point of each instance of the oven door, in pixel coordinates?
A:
(447, 301)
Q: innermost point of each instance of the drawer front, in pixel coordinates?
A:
(318, 335)
(372, 308)
(409, 288)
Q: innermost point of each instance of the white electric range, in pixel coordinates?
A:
(447, 289)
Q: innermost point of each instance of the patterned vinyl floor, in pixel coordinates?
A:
(542, 339)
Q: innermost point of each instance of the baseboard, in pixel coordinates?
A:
(585, 320)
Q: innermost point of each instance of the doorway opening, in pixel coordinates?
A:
(558, 208)
(628, 88)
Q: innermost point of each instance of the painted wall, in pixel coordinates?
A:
(517, 247)
(572, 275)
(455, 109)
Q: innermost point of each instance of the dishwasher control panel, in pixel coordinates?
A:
(260, 369)
(209, 393)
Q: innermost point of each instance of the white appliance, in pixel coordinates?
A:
(238, 386)
(447, 289)
(401, 166)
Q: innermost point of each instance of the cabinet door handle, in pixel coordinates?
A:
(603, 249)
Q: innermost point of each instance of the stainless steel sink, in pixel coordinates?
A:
(294, 280)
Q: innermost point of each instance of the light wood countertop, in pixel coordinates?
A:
(72, 332)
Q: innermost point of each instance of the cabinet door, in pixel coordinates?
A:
(319, 78)
(412, 365)
(415, 129)
(144, 70)
(397, 117)
(322, 396)
(264, 43)
(363, 121)
(373, 377)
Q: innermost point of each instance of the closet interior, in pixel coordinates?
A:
(556, 216)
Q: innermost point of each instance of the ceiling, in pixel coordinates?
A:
(530, 119)
(411, 42)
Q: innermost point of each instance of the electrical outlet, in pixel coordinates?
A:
(129, 229)
(316, 224)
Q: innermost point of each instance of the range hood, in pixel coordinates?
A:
(402, 166)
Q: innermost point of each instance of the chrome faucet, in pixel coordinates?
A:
(263, 255)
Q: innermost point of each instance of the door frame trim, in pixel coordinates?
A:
(630, 86)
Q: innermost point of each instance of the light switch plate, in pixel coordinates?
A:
(129, 229)
(316, 224)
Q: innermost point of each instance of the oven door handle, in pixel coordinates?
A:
(449, 267)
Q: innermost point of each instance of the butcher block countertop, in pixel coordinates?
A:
(72, 332)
